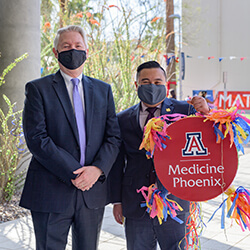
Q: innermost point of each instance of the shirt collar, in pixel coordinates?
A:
(144, 107)
(68, 78)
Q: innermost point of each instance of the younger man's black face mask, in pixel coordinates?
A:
(72, 59)
(151, 93)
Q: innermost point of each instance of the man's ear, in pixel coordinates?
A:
(136, 85)
(55, 53)
(87, 53)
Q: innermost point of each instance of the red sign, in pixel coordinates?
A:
(232, 98)
(193, 166)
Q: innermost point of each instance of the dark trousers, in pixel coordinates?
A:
(51, 229)
(143, 234)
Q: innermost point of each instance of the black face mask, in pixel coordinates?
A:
(152, 94)
(72, 59)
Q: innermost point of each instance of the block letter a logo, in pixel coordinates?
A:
(194, 145)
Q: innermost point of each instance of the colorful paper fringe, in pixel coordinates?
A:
(195, 226)
(238, 207)
(236, 125)
(155, 133)
(158, 204)
(238, 201)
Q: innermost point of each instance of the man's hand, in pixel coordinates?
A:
(87, 177)
(200, 104)
(117, 212)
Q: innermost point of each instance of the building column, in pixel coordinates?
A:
(19, 33)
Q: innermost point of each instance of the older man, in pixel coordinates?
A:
(72, 131)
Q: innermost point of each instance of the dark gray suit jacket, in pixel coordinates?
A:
(131, 169)
(52, 137)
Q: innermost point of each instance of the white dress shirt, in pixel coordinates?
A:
(69, 86)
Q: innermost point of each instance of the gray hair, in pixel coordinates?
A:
(70, 28)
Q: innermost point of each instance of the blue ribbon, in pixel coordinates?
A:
(218, 132)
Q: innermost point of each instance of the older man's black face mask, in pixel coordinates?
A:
(72, 59)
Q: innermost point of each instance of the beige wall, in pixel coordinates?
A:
(223, 32)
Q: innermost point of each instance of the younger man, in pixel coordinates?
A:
(132, 169)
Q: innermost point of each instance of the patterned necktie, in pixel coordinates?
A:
(80, 120)
(151, 112)
(152, 175)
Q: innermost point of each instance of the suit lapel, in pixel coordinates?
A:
(88, 102)
(167, 107)
(134, 119)
(63, 96)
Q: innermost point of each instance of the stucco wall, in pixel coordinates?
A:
(223, 33)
